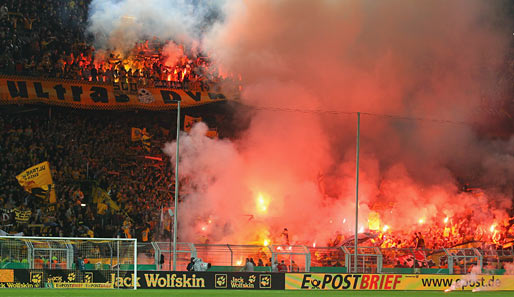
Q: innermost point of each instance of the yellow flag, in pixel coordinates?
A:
(101, 196)
(37, 180)
(190, 121)
(212, 133)
(136, 134)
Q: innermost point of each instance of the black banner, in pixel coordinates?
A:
(37, 278)
(202, 280)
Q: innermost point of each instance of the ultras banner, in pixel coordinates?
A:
(110, 96)
(322, 281)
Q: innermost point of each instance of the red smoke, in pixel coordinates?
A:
(416, 59)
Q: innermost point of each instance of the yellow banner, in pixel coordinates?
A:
(6, 276)
(38, 181)
(89, 95)
(62, 285)
(422, 282)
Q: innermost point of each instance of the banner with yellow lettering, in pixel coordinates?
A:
(37, 180)
(109, 96)
(423, 282)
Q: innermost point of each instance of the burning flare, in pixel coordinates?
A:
(262, 203)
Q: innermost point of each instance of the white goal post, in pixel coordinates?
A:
(105, 255)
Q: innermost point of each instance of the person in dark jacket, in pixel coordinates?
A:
(190, 265)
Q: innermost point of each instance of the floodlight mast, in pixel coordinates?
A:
(176, 192)
(357, 193)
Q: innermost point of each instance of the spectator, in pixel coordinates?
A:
(249, 266)
(190, 265)
(282, 267)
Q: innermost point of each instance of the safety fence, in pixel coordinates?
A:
(157, 256)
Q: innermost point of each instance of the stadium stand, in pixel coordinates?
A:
(54, 43)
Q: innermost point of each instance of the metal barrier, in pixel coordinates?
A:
(185, 251)
(494, 259)
(327, 257)
(369, 259)
(231, 254)
(460, 261)
(297, 258)
(413, 258)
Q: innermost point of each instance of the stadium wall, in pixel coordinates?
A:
(37, 278)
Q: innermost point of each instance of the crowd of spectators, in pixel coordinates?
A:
(50, 39)
(85, 150)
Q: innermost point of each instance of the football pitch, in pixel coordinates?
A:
(242, 293)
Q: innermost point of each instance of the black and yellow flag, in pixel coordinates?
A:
(190, 121)
(37, 180)
(101, 196)
(136, 134)
(145, 140)
(22, 215)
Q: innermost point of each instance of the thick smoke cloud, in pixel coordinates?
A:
(119, 24)
(418, 59)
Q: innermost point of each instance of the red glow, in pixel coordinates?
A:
(154, 158)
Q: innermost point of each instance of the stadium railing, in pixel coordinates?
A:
(58, 254)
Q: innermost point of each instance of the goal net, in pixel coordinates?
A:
(61, 262)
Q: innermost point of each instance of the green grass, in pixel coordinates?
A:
(230, 293)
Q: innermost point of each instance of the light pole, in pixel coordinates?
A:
(176, 193)
(357, 194)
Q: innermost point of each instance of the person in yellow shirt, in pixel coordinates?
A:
(126, 229)
(90, 233)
